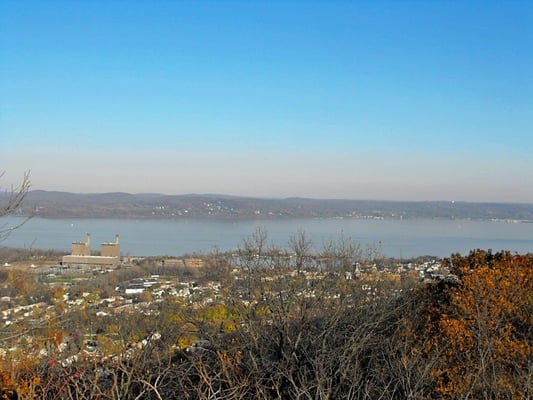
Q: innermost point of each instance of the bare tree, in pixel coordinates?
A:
(10, 203)
(301, 244)
(343, 255)
(252, 255)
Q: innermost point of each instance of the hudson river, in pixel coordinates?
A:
(155, 237)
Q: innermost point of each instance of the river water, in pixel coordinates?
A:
(177, 237)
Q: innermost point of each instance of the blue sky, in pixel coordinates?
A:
(407, 100)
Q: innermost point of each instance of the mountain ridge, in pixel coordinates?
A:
(55, 204)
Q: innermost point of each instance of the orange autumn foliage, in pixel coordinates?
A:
(485, 327)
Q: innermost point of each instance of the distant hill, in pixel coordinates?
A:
(125, 205)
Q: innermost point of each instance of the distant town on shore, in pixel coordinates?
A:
(53, 204)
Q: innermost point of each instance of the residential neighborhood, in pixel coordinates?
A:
(103, 292)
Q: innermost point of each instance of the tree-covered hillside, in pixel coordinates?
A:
(124, 205)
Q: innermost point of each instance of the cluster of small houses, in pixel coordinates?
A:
(127, 300)
(86, 345)
(430, 270)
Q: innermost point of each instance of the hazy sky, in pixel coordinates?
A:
(416, 100)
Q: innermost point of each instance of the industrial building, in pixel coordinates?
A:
(81, 254)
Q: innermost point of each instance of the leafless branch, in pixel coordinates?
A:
(10, 203)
